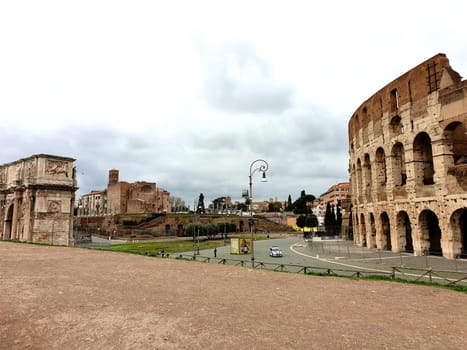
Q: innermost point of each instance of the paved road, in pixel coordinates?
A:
(322, 255)
(337, 255)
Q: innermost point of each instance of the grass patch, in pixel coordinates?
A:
(454, 287)
(171, 247)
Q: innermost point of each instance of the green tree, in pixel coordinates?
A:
(330, 218)
(303, 204)
(311, 221)
(275, 207)
(339, 216)
(327, 215)
(289, 203)
(301, 221)
(242, 206)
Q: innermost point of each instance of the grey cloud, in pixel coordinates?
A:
(239, 80)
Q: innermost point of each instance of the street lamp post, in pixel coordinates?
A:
(262, 166)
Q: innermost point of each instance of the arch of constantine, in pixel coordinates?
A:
(408, 163)
(37, 198)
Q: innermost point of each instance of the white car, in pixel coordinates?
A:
(275, 252)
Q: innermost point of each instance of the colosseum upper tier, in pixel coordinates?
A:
(408, 161)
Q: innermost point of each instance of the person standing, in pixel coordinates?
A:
(215, 252)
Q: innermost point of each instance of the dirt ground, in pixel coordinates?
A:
(65, 298)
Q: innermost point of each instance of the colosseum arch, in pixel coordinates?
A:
(396, 126)
(363, 230)
(399, 173)
(458, 226)
(430, 232)
(385, 232)
(353, 175)
(372, 237)
(380, 174)
(459, 143)
(404, 232)
(423, 159)
(367, 176)
(455, 139)
(359, 181)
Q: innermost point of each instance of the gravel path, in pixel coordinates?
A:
(65, 298)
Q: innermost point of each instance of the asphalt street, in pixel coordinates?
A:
(337, 255)
(340, 256)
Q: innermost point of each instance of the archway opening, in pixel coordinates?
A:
(463, 227)
(368, 177)
(359, 182)
(372, 240)
(386, 231)
(8, 223)
(430, 232)
(455, 139)
(398, 165)
(363, 230)
(380, 167)
(458, 226)
(405, 232)
(423, 159)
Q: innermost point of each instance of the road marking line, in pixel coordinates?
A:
(333, 262)
(358, 267)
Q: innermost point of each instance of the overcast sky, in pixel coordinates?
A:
(188, 94)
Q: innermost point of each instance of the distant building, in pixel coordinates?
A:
(37, 197)
(122, 197)
(335, 193)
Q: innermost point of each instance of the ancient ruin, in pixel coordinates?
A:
(37, 198)
(408, 163)
(121, 197)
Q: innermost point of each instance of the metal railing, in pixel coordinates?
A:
(396, 272)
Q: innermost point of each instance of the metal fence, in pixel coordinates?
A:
(446, 277)
(373, 256)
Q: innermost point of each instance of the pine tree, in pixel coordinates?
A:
(339, 216)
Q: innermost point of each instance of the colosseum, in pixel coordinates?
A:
(408, 161)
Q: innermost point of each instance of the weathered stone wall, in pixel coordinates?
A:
(37, 198)
(408, 161)
(122, 197)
